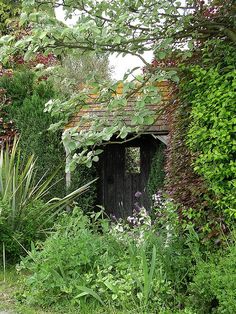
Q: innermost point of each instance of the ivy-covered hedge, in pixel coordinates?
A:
(211, 135)
(182, 184)
(201, 155)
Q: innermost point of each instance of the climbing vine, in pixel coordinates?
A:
(182, 183)
(211, 135)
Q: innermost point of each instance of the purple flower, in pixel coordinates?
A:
(137, 208)
(137, 194)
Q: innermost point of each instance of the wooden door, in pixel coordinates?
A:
(121, 177)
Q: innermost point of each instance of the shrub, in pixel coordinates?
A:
(28, 96)
(211, 135)
(214, 284)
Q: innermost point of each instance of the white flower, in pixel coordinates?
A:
(130, 219)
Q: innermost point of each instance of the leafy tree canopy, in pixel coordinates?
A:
(124, 27)
(128, 26)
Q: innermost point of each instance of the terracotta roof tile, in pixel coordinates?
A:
(93, 110)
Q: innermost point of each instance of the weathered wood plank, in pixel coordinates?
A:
(117, 188)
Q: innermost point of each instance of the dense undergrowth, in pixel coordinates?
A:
(142, 264)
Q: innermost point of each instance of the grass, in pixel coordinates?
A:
(11, 286)
(8, 289)
(9, 304)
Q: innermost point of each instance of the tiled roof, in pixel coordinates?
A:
(94, 110)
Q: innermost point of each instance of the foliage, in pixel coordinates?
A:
(122, 264)
(17, 186)
(9, 10)
(79, 177)
(212, 130)
(25, 108)
(218, 275)
(197, 114)
(116, 35)
(24, 94)
(161, 27)
(157, 173)
(182, 184)
(10, 288)
(23, 104)
(23, 214)
(16, 238)
(128, 265)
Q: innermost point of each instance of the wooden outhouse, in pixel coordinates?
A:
(124, 167)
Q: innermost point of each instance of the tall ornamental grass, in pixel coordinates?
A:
(24, 215)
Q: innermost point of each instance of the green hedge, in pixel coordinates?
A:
(28, 97)
(211, 134)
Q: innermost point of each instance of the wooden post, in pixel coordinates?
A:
(68, 174)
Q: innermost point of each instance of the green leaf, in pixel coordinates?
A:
(162, 55)
(95, 159)
(149, 120)
(88, 291)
